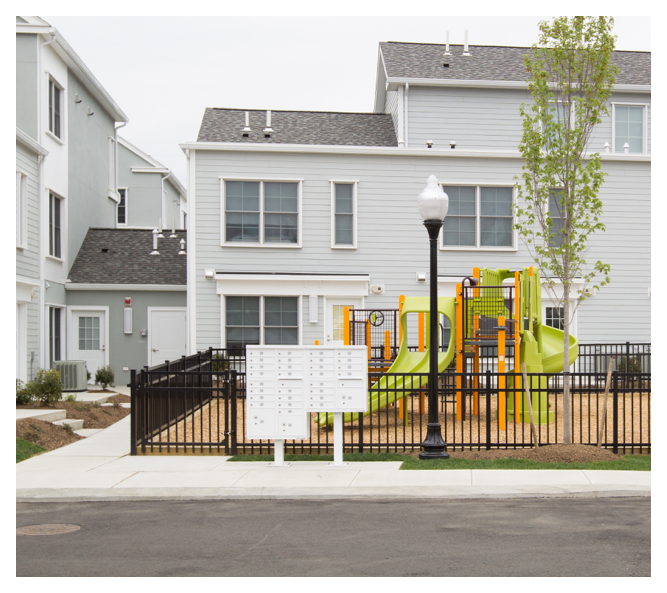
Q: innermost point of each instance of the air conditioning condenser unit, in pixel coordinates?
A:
(73, 374)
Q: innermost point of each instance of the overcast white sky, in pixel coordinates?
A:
(163, 71)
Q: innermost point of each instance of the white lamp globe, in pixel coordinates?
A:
(433, 202)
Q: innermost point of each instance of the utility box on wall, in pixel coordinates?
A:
(285, 384)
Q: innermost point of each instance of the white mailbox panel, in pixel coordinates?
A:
(285, 384)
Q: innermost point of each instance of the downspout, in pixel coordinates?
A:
(115, 157)
(405, 116)
(43, 212)
(163, 201)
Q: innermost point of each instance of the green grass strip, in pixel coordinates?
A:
(26, 449)
(626, 463)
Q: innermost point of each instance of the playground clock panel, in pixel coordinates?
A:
(285, 384)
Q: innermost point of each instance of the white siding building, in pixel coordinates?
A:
(294, 215)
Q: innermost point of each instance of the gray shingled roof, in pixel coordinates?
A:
(298, 127)
(425, 60)
(122, 256)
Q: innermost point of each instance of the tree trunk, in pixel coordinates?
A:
(567, 427)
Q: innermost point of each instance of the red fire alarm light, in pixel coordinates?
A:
(128, 301)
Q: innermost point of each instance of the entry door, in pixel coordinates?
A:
(166, 336)
(89, 339)
(333, 327)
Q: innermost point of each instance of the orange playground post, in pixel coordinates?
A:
(346, 326)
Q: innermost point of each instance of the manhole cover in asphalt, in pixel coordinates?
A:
(49, 529)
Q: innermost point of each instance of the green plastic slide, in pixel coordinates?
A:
(389, 389)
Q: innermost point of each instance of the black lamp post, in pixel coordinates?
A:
(433, 204)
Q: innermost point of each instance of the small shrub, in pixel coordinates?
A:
(219, 362)
(68, 429)
(46, 387)
(116, 405)
(97, 405)
(23, 396)
(104, 377)
(70, 398)
(33, 435)
(631, 363)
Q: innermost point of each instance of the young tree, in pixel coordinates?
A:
(571, 78)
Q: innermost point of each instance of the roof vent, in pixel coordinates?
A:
(465, 44)
(268, 129)
(246, 129)
(447, 45)
(182, 244)
(445, 65)
(105, 250)
(155, 235)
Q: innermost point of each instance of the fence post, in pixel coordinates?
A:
(232, 402)
(144, 378)
(488, 410)
(615, 416)
(133, 412)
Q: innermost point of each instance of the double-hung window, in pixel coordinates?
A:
(557, 214)
(55, 94)
(54, 226)
(54, 334)
(343, 215)
(479, 217)
(629, 128)
(121, 208)
(554, 317)
(261, 212)
(21, 210)
(261, 320)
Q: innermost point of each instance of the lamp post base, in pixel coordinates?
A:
(433, 446)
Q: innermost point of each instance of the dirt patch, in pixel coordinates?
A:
(47, 435)
(93, 416)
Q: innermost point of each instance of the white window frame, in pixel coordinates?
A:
(51, 250)
(59, 309)
(260, 244)
(125, 190)
(645, 126)
(478, 219)
(21, 209)
(53, 83)
(354, 184)
(299, 314)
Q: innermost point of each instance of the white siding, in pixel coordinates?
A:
(27, 260)
(392, 243)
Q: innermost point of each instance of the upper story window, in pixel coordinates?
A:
(54, 226)
(344, 215)
(121, 208)
(557, 212)
(479, 217)
(555, 317)
(55, 96)
(21, 210)
(262, 212)
(629, 128)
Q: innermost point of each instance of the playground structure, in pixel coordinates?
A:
(494, 309)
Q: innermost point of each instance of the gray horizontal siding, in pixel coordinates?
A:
(32, 335)
(27, 259)
(483, 119)
(392, 242)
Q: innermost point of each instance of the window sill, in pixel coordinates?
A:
(55, 138)
(113, 196)
(343, 247)
(477, 249)
(55, 259)
(262, 245)
(21, 247)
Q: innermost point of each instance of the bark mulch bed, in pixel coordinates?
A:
(93, 416)
(47, 435)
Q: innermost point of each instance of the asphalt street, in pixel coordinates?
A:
(531, 537)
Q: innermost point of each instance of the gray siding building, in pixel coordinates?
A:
(294, 215)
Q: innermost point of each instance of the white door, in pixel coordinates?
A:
(88, 339)
(333, 325)
(166, 335)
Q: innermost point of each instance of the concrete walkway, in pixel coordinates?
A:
(101, 468)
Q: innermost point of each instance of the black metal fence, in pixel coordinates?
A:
(198, 405)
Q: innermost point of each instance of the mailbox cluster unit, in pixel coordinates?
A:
(284, 384)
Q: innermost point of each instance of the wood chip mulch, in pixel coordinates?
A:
(92, 416)
(47, 435)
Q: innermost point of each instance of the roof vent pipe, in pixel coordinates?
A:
(159, 226)
(626, 148)
(465, 44)
(607, 147)
(182, 251)
(247, 122)
(268, 122)
(155, 251)
(447, 53)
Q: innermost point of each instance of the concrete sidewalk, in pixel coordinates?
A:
(100, 468)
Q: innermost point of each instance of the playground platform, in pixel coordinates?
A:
(100, 468)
